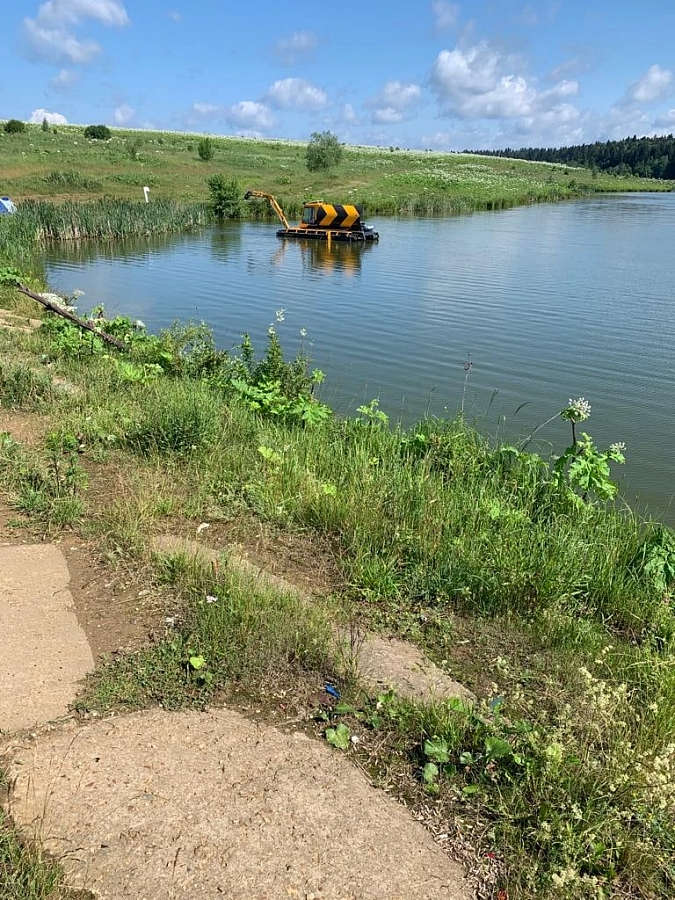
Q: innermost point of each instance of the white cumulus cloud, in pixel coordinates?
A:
(71, 12)
(481, 83)
(56, 45)
(296, 93)
(656, 84)
(50, 36)
(250, 115)
(39, 115)
(395, 102)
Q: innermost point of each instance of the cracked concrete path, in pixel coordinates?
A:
(44, 653)
(160, 805)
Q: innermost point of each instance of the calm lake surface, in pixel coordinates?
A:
(547, 302)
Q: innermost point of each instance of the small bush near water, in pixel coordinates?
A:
(185, 419)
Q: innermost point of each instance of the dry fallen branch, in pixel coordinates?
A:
(76, 320)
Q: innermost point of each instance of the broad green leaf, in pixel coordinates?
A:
(437, 749)
(339, 736)
(496, 747)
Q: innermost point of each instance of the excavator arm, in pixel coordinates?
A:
(273, 203)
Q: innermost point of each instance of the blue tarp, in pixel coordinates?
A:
(6, 206)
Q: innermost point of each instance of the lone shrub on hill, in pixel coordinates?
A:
(205, 149)
(14, 126)
(97, 132)
(225, 197)
(324, 151)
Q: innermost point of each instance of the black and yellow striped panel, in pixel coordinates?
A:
(330, 215)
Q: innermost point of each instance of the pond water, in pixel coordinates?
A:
(547, 302)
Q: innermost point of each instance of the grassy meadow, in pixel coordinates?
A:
(44, 165)
(521, 576)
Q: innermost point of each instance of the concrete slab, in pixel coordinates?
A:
(177, 806)
(43, 651)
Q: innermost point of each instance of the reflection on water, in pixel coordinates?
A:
(225, 242)
(317, 256)
(129, 248)
(551, 302)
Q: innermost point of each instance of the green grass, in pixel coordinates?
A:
(435, 528)
(105, 219)
(233, 631)
(26, 872)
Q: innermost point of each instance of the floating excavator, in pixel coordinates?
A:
(322, 221)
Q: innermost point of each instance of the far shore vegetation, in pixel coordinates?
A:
(63, 164)
(521, 575)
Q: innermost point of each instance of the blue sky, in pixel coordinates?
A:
(425, 74)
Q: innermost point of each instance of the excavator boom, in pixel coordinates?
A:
(272, 202)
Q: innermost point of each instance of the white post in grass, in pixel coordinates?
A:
(146, 192)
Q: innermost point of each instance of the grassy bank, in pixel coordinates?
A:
(518, 575)
(41, 165)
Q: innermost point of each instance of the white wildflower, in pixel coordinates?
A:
(280, 315)
(580, 409)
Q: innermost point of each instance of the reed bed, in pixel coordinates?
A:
(105, 219)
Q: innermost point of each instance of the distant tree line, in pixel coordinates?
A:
(646, 157)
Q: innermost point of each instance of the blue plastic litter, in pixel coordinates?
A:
(333, 691)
